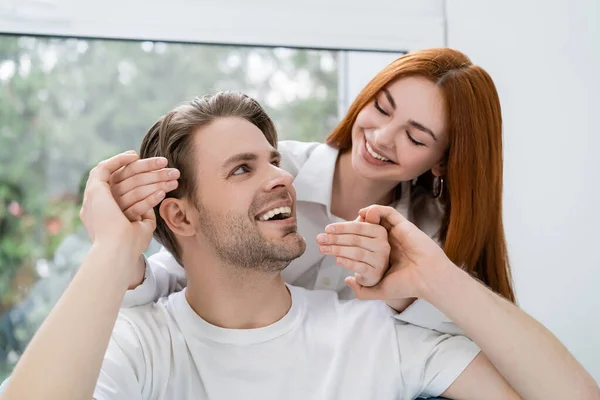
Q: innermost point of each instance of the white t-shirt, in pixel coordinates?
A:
(312, 165)
(323, 348)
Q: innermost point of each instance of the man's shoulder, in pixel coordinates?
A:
(326, 303)
(148, 321)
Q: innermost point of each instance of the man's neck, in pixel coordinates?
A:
(235, 298)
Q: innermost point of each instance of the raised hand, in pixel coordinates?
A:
(136, 186)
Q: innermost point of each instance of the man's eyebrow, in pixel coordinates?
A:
(239, 158)
(247, 157)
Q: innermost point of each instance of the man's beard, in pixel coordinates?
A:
(240, 243)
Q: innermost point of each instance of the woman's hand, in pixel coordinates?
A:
(135, 186)
(358, 246)
(415, 259)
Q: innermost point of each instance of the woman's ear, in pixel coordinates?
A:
(439, 169)
(179, 216)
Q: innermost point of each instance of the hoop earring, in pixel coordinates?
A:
(438, 187)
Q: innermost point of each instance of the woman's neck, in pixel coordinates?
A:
(351, 193)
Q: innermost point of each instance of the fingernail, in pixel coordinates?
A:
(159, 195)
(161, 161)
(172, 184)
(130, 152)
(322, 238)
(174, 173)
(324, 249)
(330, 229)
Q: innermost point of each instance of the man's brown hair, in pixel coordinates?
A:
(172, 137)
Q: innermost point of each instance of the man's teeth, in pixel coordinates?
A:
(286, 212)
(375, 155)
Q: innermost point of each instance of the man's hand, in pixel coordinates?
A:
(358, 246)
(414, 258)
(101, 215)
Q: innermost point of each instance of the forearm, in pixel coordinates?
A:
(528, 356)
(64, 358)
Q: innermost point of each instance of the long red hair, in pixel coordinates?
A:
(471, 229)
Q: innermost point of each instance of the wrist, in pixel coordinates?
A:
(444, 280)
(122, 242)
(121, 252)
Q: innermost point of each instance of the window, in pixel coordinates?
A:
(66, 104)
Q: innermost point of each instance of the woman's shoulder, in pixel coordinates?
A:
(295, 153)
(297, 149)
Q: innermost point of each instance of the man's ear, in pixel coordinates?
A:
(179, 216)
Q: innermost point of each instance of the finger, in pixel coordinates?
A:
(142, 179)
(149, 215)
(139, 209)
(369, 280)
(149, 224)
(140, 193)
(104, 169)
(353, 253)
(372, 230)
(138, 167)
(355, 266)
(367, 243)
(362, 212)
(385, 216)
(364, 292)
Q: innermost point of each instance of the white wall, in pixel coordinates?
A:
(357, 68)
(545, 60)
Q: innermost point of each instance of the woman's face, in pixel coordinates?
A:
(401, 134)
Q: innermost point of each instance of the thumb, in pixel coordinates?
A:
(149, 220)
(364, 292)
(385, 216)
(148, 226)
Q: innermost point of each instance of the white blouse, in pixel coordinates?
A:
(312, 165)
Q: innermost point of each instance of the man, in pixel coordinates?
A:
(237, 330)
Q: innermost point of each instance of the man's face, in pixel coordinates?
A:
(246, 203)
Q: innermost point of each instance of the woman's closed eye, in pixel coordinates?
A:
(413, 140)
(380, 109)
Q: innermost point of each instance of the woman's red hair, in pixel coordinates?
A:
(472, 230)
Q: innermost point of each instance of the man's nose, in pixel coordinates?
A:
(278, 178)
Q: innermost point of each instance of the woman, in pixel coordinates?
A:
(425, 137)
